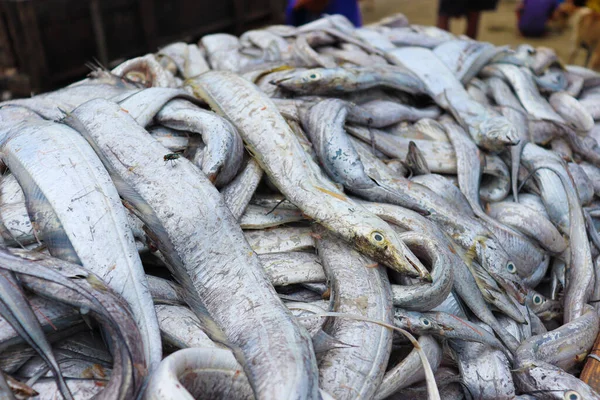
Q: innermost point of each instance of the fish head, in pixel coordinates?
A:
(381, 243)
(545, 308)
(419, 324)
(503, 270)
(550, 382)
(310, 81)
(498, 133)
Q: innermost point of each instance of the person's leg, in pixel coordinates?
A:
(448, 9)
(443, 22)
(473, 18)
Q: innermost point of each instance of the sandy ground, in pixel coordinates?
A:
(498, 27)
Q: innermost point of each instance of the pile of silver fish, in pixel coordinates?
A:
(314, 212)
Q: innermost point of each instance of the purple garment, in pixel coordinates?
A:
(534, 16)
(347, 8)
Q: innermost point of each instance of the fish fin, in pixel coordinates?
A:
(323, 342)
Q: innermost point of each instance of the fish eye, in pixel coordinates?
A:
(572, 395)
(511, 267)
(377, 237)
(537, 299)
(313, 76)
(425, 321)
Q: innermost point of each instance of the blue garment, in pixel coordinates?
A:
(534, 16)
(347, 8)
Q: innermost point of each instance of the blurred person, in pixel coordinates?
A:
(533, 16)
(458, 8)
(299, 12)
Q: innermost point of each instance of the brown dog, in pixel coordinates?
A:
(586, 32)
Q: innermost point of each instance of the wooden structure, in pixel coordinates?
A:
(49, 42)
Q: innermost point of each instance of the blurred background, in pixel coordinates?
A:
(45, 44)
(498, 27)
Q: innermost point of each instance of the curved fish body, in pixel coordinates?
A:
(551, 382)
(220, 273)
(552, 80)
(354, 372)
(530, 223)
(145, 70)
(382, 113)
(295, 174)
(15, 309)
(463, 282)
(440, 156)
(514, 112)
(256, 217)
(580, 275)
(406, 36)
(410, 369)
(324, 124)
(239, 191)
(175, 141)
(71, 284)
(52, 105)
(198, 372)
(292, 268)
(188, 58)
(593, 173)
(181, 328)
(582, 183)
(521, 80)
(446, 326)
(338, 80)
(465, 231)
(485, 372)
(446, 189)
(64, 184)
(487, 128)
(280, 240)
(469, 175)
(426, 296)
(465, 58)
(572, 111)
(564, 346)
(356, 57)
(552, 194)
(224, 151)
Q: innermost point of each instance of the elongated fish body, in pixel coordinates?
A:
(484, 371)
(529, 222)
(345, 80)
(238, 192)
(179, 327)
(564, 346)
(466, 231)
(382, 113)
(285, 162)
(354, 372)
(487, 128)
(440, 156)
(410, 370)
(463, 281)
(292, 267)
(580, 273)
(223, 153)
(541, 377)
(338, 156)
(465, 58)
(201, 241)
(524, 87)
(64, 184)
